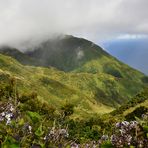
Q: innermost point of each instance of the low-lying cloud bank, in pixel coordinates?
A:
(22, 20)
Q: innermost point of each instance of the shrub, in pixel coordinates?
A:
(137, 112)
(112, 71)
(145, 79)
(67, 109)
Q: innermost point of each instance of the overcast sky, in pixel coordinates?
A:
(92, 19)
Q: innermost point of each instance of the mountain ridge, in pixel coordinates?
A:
(97, 82)
(67, 54)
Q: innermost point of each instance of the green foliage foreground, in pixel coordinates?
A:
(26, 121)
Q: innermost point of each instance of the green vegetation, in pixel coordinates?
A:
(145, 79)
(139, 101)
(89, 92)
(110, 69)
(27, 121)
(44, 106)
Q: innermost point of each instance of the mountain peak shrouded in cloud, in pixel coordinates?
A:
(92, 19)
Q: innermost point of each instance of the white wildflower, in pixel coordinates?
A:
(3, 114)
(30, 129)
(125, 123)
(8, 116)
(118, 124)
(104, 137)
(1, 118)
(45, 138)
(51, 132)
(8, 121)
(11, 109)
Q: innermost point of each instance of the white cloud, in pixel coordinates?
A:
(93, 19)
(129, 36)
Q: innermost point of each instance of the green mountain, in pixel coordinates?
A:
(73, 88)
(18, 55)
(136, 107)
(84, 75)
(27, 120)
(68, 54)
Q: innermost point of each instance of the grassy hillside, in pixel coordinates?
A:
(137, 106)
(85, 74)
(89, 92)
(79, 55)
(18, 55)
(28, 121)
(46, 107)
(49, 83)
(72, 54)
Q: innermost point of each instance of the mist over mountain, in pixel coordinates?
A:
(131, 51)
(66, 53)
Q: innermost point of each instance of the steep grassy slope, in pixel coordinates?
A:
(67, 53)
(90, 78)
(49, 86)
(79, 55)
(90, 93)
(18, 55)
(73, 55)
(137, 106)
(28, 121)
